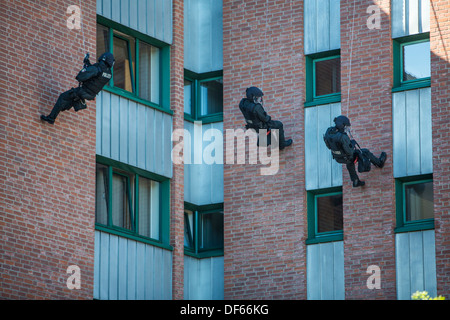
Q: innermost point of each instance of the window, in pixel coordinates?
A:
(415, 205)
(203, 96)
(129, 201)
(203, 230)
(141, 71)
(323, 78)
(412, 62)
(325, 215)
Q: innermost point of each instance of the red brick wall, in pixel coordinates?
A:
(177, 182)
(440, 102)
(47, 173)
(369, 212)
(265, 220)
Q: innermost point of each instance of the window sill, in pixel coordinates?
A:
(204, 254)
(325, 100)
(131, 96)
(337, 236)
(218, 117)
(416, 226)
(412, 85)
(124, 234)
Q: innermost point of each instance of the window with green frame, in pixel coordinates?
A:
(131, 202)
(203, 96)
(323, 78)
(414, 203)
(412, 62)
(325, 215)
(141, 71)
(203, 230)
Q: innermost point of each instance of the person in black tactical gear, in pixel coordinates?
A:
(92, 79)
(343, 150)
(256, 118)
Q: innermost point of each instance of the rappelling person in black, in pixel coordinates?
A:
(346, 151)
(92, 78)
(256, 118)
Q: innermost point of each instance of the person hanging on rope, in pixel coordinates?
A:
(256, 118)
(346, 151)
(92, 78)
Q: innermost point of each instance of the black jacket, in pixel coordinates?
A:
(342, 148)
(94, 77)
(254, 114)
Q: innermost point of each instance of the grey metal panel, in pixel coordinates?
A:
(134, 134)
(412, 132)
(203, 182)
(203, 34)
(321, 170)
(410, 17)
(415, 263)
(151, 17)
(322, 25)
(203, 278)
(325, 271)
(126, 269)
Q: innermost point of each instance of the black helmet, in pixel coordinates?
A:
(253, 92)
(108, 58)
(342, 122)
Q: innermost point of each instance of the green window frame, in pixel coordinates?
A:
(199, 223)
(314, 234)
(137, 46)
(196, 103)
(398, 45)
(311, 61)
(111, 207)
(402, 223)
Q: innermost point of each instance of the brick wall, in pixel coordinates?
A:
(369, 212)
(440, 101)
(264, 216)
(177, 182)
(47, 173)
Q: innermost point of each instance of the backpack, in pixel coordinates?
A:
(364, 164)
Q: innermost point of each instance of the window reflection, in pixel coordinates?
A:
(416, 61)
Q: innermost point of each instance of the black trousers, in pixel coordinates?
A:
(351, 167)
(273, 124)
(71, 98)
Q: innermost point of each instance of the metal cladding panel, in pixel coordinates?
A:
(203, 169)
(125, 269)
(415, 263)
(151, 17)
(134, 134)
(325, 271)
(321, 170)
(412, 133)
(410, 17)
(203, 45)
(203, 278)
(322, 25)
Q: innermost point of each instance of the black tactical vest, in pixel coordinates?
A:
(247, 108)
(96, 84)
(332, 138)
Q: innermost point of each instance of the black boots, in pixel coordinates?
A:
(382, 160)
(48, 119)
(287, 143)
(358, 183)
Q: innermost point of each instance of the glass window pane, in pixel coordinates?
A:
(329, 213)
(123, 72)
(419, 201)
(149, 208)
(149, 72)
(188, 97)
(211, 95)
(416, 61)
(211, 231)
(101, 194)
(327, 76)
(102, 40)
(121, 201)
(189, 229)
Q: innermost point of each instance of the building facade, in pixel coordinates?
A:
(156, 191)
